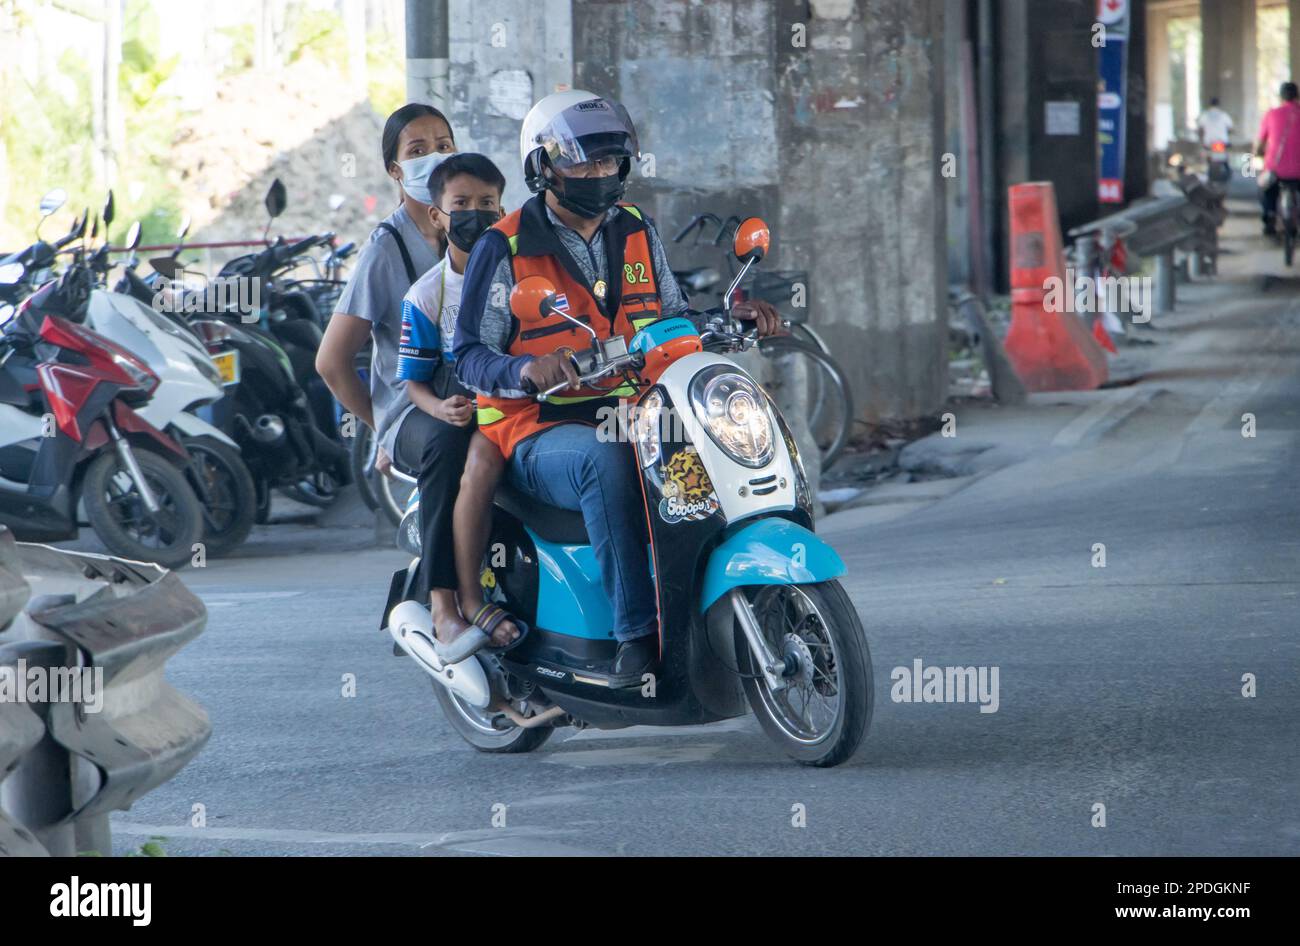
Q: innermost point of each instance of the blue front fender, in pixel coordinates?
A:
(768, 552)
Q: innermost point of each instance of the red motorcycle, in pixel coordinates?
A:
(69, 436)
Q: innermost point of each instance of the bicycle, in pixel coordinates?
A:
(803, 356)
(1288, 215)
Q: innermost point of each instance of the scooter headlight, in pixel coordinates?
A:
(645, 427)
(734, 412)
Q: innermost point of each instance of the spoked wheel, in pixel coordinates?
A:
(124, 524)
(487, 731)
(822, 711)
(817, 388)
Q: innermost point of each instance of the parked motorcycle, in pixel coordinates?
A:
(750, 609)
(70, 434)
(189, 380)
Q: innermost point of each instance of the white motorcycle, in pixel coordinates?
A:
(188, 379)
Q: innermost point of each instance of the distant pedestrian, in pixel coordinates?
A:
(1278, 144)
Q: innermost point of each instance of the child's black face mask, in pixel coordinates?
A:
(468, 225)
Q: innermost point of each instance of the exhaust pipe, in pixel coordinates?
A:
(268, 430)
(411, 626)
(527, 722)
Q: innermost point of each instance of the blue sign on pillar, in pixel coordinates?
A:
(1113, 15)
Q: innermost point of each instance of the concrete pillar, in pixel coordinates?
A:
(1228, 57)
(1293, 9)
(427, 60)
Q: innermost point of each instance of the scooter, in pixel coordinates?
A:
(189, 380)
(751, 613)
(71, 435)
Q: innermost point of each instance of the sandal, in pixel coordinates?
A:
(478, 636)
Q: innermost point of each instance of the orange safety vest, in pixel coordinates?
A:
(630, 302)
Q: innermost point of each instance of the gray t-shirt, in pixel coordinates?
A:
(374, 293)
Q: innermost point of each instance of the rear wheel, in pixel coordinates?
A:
(487, 731)
(220, 479)
(123, 523)
(824, 709)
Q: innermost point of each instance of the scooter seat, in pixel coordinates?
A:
(563, 526)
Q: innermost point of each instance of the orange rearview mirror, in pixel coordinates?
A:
(532, 299)
(752, 239)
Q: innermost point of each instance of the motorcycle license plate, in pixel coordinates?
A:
(227, 363)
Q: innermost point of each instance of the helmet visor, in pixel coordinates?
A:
(596, 128)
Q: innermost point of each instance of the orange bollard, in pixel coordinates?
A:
(1051, 351)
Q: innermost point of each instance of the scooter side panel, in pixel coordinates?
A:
(768, 552)
(570, 599)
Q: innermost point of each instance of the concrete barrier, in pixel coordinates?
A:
(72, 756)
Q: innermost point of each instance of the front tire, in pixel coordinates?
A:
(483, 730)
(225, 488)
(820, 717)
(120, 519)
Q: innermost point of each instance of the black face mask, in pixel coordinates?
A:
(591, 196)
(468, 225)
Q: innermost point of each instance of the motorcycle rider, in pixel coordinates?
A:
(416, 138)
(466, 199)
(1278, 144)
(608, 262)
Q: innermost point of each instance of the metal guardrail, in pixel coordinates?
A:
(1159, 226)
(64, 764)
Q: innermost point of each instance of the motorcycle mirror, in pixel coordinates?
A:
(133, 236)
(185, 228)
(94, 230)
(109, 211)
(276, 198)
(80, 227)
(752, 240)
(532, 299)
(53, 201)
(166, 266)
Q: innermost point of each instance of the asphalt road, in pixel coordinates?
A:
(1119, 686)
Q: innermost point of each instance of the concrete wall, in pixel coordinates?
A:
(825, 118)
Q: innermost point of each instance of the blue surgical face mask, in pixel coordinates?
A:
(415, 175)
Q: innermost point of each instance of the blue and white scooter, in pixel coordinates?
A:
(750, 609)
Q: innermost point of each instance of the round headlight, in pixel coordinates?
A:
(732, 410)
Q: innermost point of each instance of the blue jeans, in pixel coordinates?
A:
(567, 466)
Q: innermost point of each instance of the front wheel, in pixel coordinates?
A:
(120, 518)
(487, 731)
(824, 709)
(221, 480)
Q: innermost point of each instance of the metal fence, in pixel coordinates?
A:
(105, 727)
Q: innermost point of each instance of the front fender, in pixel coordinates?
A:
(768, 552)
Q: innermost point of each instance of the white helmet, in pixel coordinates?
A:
(570, 128)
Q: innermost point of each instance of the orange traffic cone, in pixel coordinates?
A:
(1049, 346)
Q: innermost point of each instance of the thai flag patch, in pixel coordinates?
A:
(561, 302)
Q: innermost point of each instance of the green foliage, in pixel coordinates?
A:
(386, 75)
(318, 33)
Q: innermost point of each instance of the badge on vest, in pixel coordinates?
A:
(599, 289)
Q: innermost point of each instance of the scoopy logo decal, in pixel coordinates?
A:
(687, 491)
